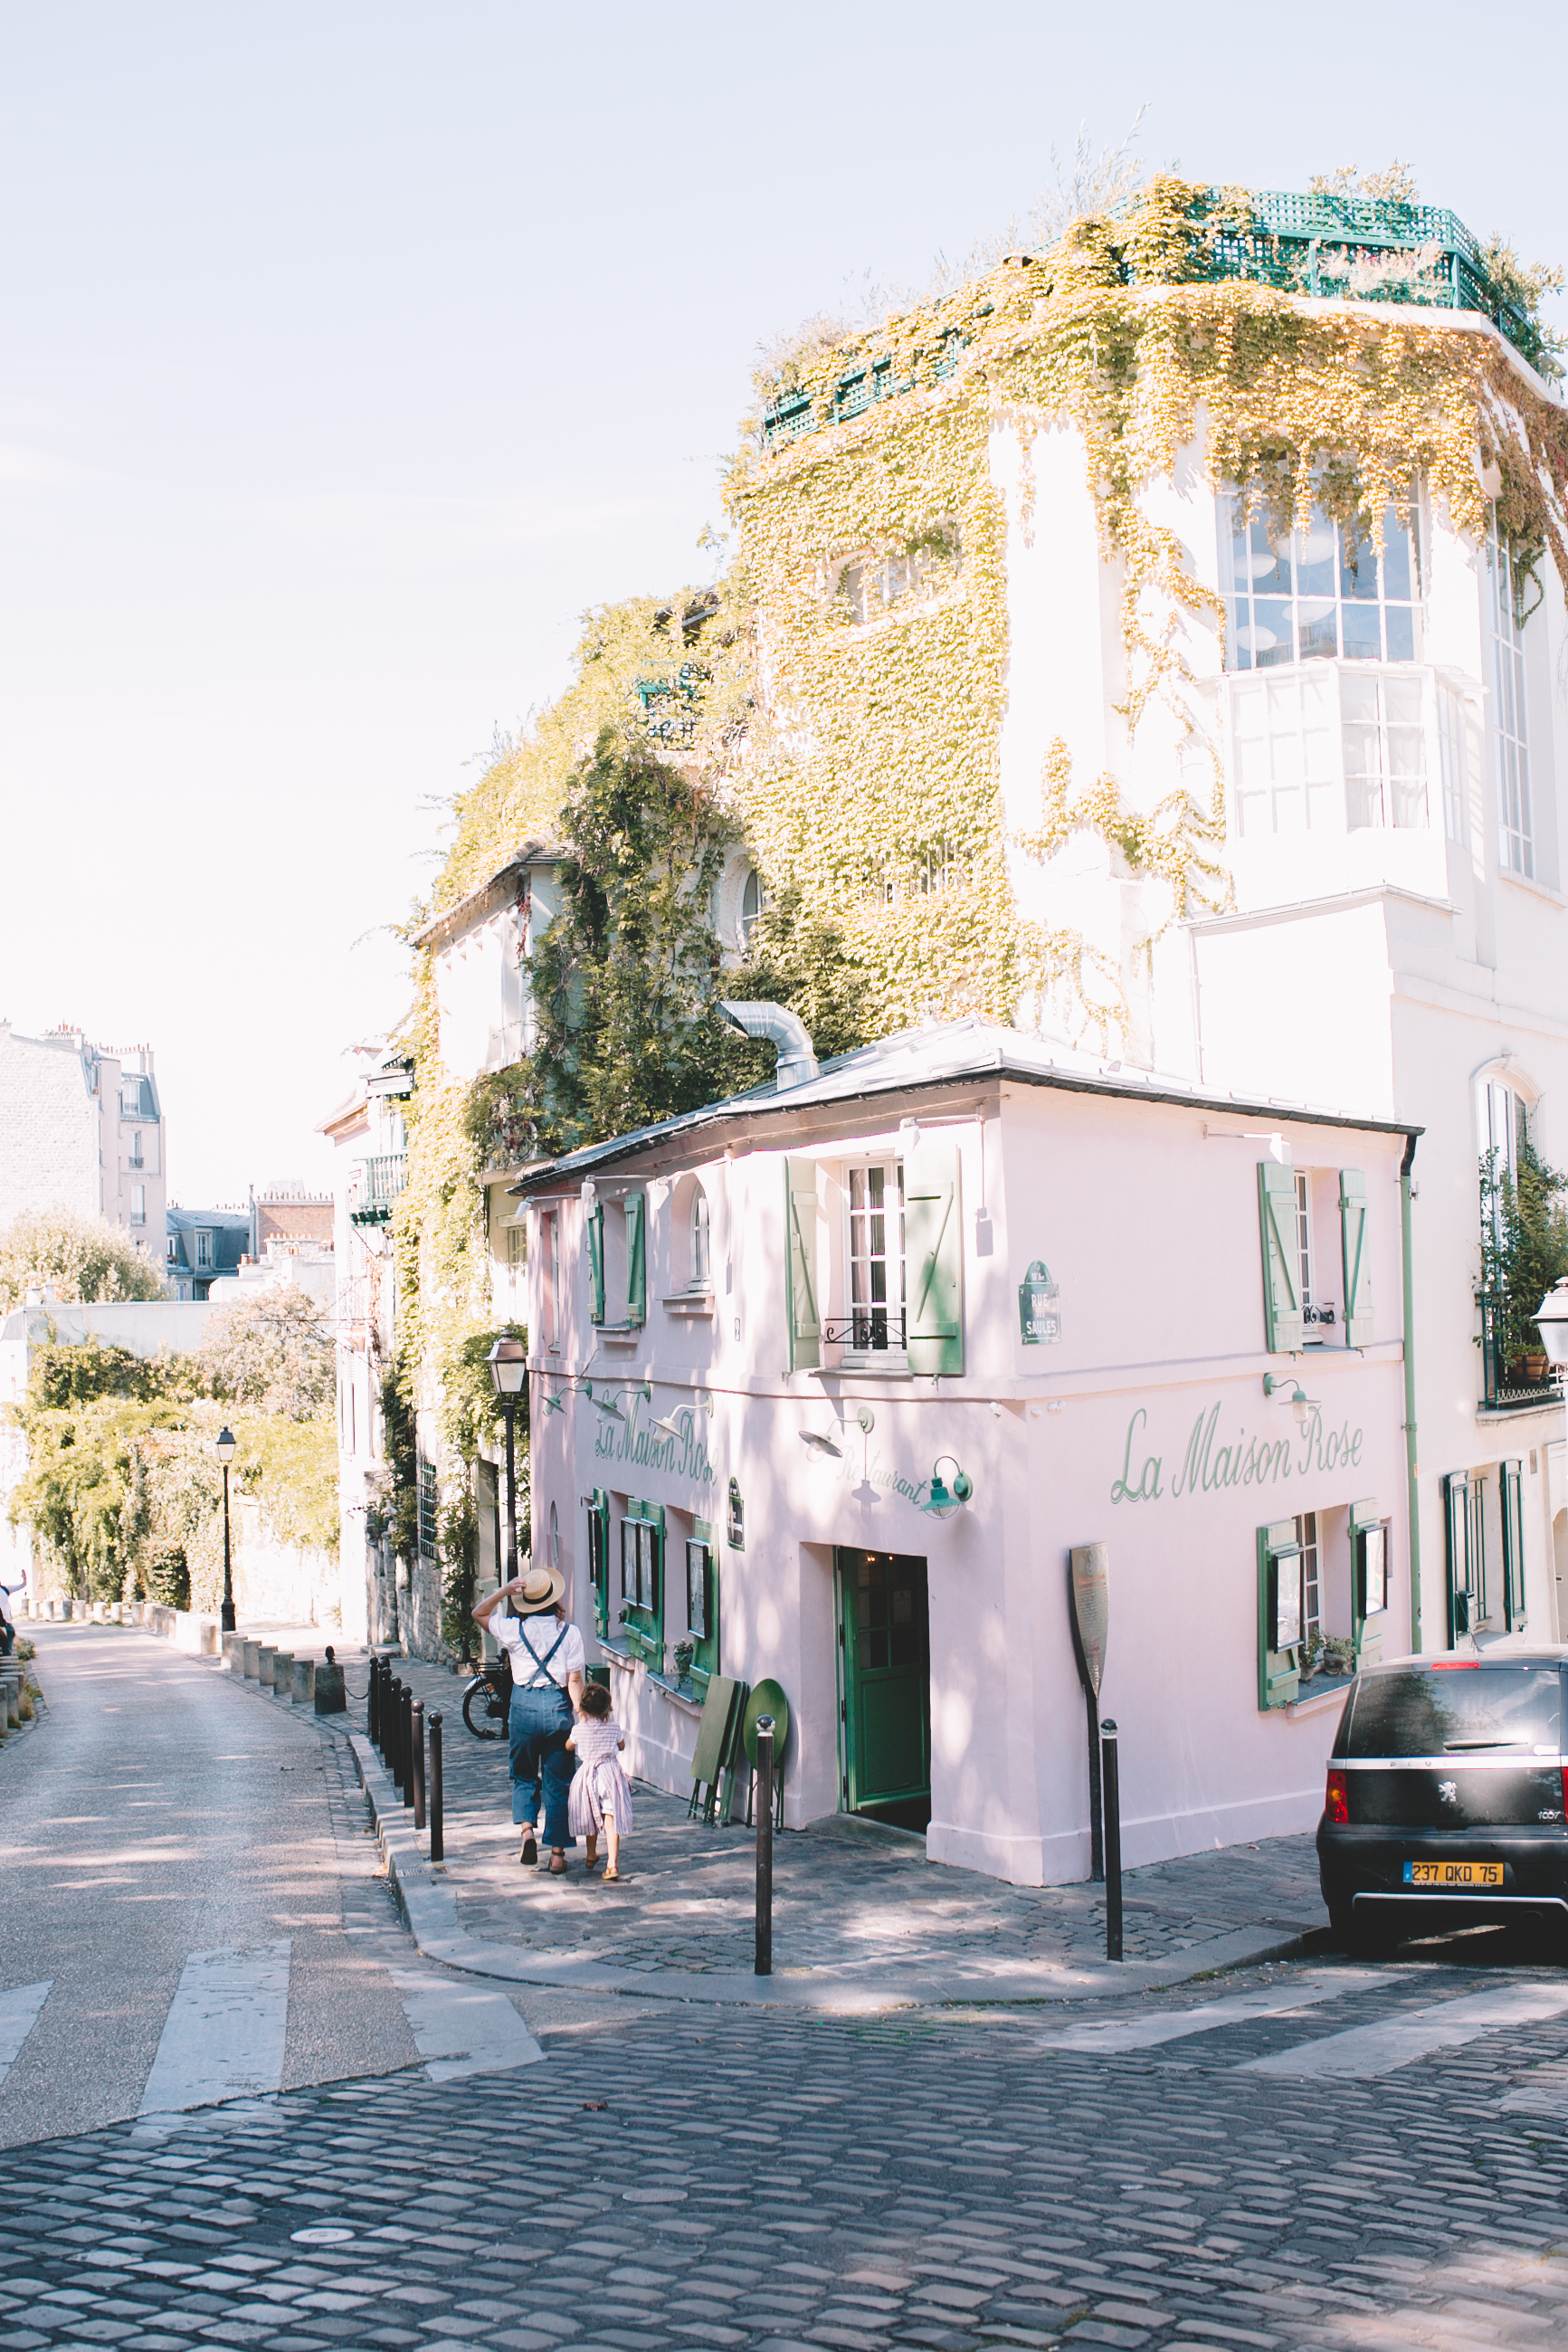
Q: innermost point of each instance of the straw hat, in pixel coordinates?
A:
(541, 1588)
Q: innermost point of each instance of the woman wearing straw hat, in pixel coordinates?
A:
(546, 1658)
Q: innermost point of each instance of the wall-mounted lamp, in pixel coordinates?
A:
(1552, 1322)
(670, 1426)
(602, 1405)
(908, 1133)
(950, 1486)
(588, 1194)
(1301, 1404)
(822, 1445)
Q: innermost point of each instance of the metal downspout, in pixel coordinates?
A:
(1412, 1466)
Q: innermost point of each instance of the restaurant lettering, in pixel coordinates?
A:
(1211, 1461)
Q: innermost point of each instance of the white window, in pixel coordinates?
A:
(517, 1250)
(139, 1205)
(1455, 760)
(701, 1241)
(131, 1098)
(172, 1247)
(1331, 748)
(1304, 1242)
(1501, 1124)
(751, 905)
(1312, 1588)
(873, 585)
(134, 1154)
(1505, 591)
(1319, 594)
(875, 1253)
(204, 1247)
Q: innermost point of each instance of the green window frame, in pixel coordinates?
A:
(642, 1582)
(1281, 1604)
(599, 1559)
(1512, 1477)
(1466, 1600)
(1285, 1322)
(703, 1603)
(1369, 1533)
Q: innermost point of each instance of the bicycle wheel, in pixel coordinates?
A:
(482, 1713)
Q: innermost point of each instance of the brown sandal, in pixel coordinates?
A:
(608, 1876)
(557, 1864)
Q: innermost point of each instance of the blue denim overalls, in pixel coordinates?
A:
(540, 1724)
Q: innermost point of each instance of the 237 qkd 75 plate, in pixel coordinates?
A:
(1453, 1874)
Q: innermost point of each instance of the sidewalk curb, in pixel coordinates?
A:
(429, 1908)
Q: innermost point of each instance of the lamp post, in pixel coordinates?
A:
(225, 1455)
(508, 1365)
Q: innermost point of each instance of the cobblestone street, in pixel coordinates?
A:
(769, 2182)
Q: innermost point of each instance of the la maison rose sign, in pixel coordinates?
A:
(1212, 1459)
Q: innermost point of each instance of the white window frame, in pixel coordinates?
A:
(1304, 1237)
(700, 1243)
(860, 1315)
(1307, 606)
(1308, 1535)
(139, 1205)
(1511, 723)
(134, 1149)
(203, 1249)
(1308, 783)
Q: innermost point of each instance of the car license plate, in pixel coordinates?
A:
(1453, 1874)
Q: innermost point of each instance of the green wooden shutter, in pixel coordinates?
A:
(636, 1256)
(596, 1261)
(1353, 1250)
(1513, 1546)
(1284, 1332)
(800, 1264)
(1456, 1527)
(932, 1257)
(1278, 1670)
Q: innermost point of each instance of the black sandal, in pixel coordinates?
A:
(530, 1852)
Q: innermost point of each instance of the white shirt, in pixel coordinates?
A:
(531, 1639)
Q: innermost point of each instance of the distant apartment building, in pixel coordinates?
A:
(203, 1244)
(81, 1127)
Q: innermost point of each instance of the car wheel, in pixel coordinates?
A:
(1363, 1938)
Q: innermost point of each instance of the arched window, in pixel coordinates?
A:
(701, 1257)
(1501, 1126)
(751, 906)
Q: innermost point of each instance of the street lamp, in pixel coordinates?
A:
(1552, 1322)
(225, 1455)
(508, 1363)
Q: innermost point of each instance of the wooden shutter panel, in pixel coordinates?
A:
(1456, 1522)
(1284, 1330)
(1513, 1546)
(932, 1257)
(800, 1264)
(636, 1256)
(1278, 1553)
(1357, 1269)
(596, 1261)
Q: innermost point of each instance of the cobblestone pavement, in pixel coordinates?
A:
(712, 2180)
(844, 1893)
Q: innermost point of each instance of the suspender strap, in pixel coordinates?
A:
(542, 1665)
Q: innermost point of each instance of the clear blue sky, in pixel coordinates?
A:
(347, 352)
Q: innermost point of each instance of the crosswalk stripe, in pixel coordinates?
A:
(1392, 2042)
(18, 2014)
(462, 2028)
(1112, 2036)
(224, 2035)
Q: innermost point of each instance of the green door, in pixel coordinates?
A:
(885, 1698)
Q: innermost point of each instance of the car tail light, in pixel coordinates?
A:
(1565, 1792)
(1336, 1803)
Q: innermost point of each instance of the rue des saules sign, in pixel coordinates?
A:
(1212, 1459)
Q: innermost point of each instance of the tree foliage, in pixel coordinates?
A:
(85, 1261)
(1524, 1241)
(273, 1352)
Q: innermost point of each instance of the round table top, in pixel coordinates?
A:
(767, 1698)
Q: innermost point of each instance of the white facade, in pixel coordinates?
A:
(82, 1128)
(479, 949)
(737, 1266)
(1396, 814)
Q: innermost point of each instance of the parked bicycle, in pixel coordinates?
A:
(488, 1701)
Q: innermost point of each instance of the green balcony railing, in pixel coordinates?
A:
(1367, 248)
(381, 1181)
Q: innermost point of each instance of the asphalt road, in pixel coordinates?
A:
(153, 1813)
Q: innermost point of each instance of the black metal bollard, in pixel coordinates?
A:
(416, 1750)
(1113, 1798)
(764, 1846)
(371, 1726)
(393, 1696)
(437, 1848)
(383, 1728)
(406, 1741)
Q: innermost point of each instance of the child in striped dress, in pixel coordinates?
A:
(600, 1795)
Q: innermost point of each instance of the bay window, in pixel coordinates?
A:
(1319, 594)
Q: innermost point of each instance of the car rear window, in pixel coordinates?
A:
(1441, 1711)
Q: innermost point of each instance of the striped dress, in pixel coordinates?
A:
(600, 1785)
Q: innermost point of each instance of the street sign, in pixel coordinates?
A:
(1039, 1317)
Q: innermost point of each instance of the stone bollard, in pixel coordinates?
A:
(232, 1647)
(116, 1613)
(267, 1657)
(302, 1683)
(331, 1697)
(282, 1673)
(251, 1661)
(139, 1612)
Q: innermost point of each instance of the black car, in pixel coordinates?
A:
(1447, 1798)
